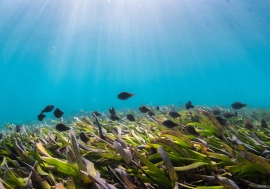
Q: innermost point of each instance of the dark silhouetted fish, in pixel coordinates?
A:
(157, 108)
(112, 111)
(188, 105)
(143, 109)
(174, 114)
(222, 121)
(191, 130)
(229, 114)
(41, 116)
(58, 113)
(48, 108)
(96, 113)
(169, 124)
(216, 111)
(130, 117)
(18, 128)
(114, 117)
(61, 127)
(264, 124)
(1, 136)
(238, 105)
(84, 137)
(248, 125)
(124, 95)
(151, 113)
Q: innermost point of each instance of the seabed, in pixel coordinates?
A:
(200, 152)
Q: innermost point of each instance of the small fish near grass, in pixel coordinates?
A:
(216, 111)
(221, 120)
(174, 114)
(58, 113)
(151, 113)
(170, 124)
(17, 128)
(114, 117)
(96, 113)
(188, 105)
(130, 117)
(264, 124)
(84, 137)
(191, 130)
(248, 125)
(229, 114)
(41, 116)
(61, 127)
(144, 109)
(112, 111)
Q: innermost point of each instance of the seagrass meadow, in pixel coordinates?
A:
(201, 152)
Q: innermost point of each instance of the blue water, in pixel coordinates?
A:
(81, 54)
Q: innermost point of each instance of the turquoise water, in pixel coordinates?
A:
(81, 54)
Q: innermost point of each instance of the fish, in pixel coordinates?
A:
(41, 116)
(157, 108)
(222, 121)
(170, 124)
(61, 127)
(1, 136)
(48, 108)
(84, 137)
(58, 113)
(188, 105)
(112, 111)
(96, 113)
(125, 95)
(130, 117)
(248, 125)
(229, 114)
(191, 130)
(174, 114)
(143, 109)
(264, 124)
(238, 105)
(151, 113)
(216, 111)
(114, 117)
(17, 128)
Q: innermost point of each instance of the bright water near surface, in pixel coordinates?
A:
(81, 54)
